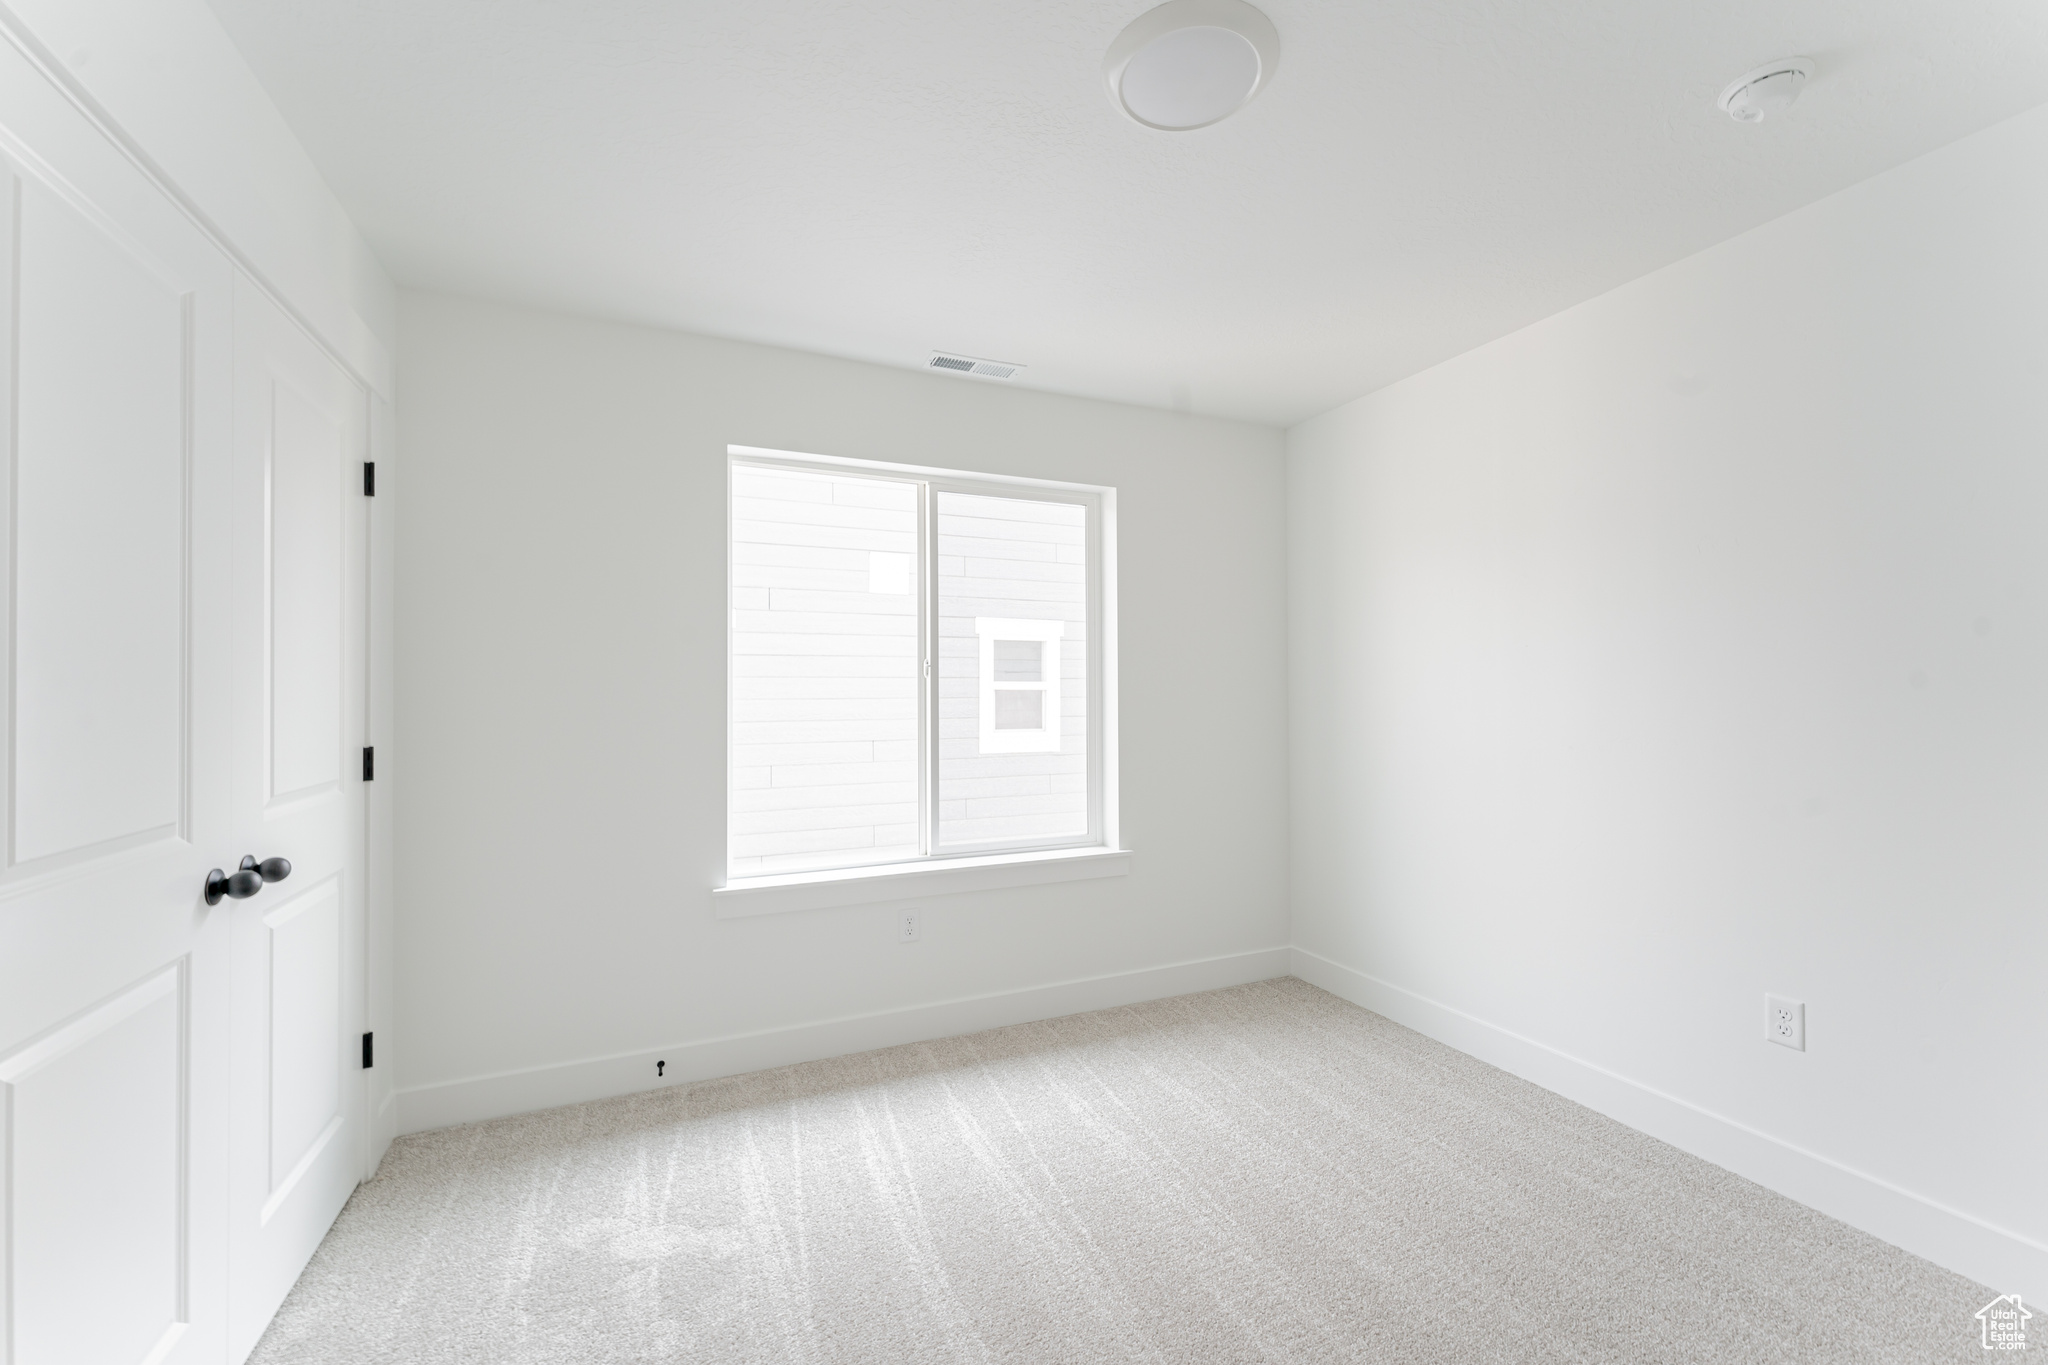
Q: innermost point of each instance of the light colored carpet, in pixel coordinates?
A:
(1265, 1173)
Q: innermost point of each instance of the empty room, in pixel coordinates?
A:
(1233, 681)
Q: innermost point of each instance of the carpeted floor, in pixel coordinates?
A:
(1265, 1173)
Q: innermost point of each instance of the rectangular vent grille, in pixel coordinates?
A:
(967, 364)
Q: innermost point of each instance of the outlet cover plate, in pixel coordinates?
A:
(906, 926)
(1785, 1022)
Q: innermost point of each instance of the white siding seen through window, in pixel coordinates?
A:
(826, 671)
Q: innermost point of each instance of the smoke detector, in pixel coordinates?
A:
(1768, 90)
(952, 362)
(1190, 63)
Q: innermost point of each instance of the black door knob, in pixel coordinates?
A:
(270, 869)
(246, 880)
(245, 883)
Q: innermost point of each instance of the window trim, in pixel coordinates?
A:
(949, 876)
(1035, 860)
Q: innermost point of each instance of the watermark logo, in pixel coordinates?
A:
(2005, 1323)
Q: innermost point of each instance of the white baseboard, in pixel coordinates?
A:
(1991, 1255)
(519, 1092)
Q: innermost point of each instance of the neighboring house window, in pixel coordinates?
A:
(915, 665)
(1020, 685)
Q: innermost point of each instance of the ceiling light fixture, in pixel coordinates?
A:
(1191, 63)
(1768, 90)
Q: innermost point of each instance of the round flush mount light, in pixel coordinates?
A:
(1191, 63)
(1769, 90)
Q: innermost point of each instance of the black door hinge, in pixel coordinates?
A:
(369, 763)
(367, 1063)
(369, 478)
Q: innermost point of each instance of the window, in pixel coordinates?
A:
(1019, 668)
(916, 666)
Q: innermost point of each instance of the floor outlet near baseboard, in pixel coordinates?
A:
(1785, 1022)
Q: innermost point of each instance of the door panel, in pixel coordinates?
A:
(305, 458)
(301, 427)
(109, 1157)
(306, 969)
(116, 393)
(99, 549)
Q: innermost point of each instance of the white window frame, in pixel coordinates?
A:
(951, 867)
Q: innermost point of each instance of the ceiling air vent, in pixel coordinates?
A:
(967, 364)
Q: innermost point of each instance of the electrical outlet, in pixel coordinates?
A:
(1785, 1022)
(906, 926)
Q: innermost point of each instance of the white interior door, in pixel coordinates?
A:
(116, 383)
(301, 580)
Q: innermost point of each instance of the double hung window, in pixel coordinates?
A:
(916, 666)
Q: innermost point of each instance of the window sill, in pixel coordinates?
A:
(898, 881)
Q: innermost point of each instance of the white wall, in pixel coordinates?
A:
(561, 655)
(1693, 644)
